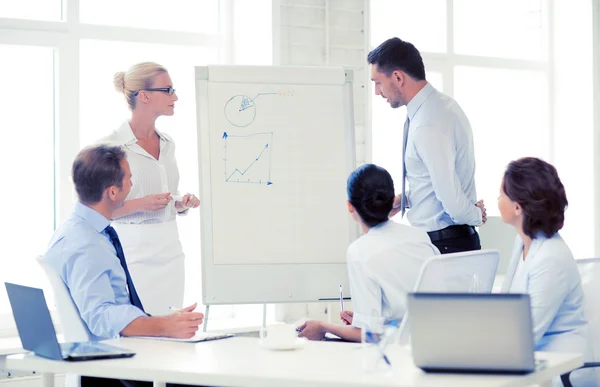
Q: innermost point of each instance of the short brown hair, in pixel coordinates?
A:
(535, 185)
(96, 168)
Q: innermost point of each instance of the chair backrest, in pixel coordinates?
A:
(589, 269)
(72, 325)
(465, 272)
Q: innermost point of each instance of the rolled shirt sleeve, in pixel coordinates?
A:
(99, 291)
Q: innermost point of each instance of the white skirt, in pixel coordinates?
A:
(156, 262)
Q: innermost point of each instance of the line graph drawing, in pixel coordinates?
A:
(247, 158)
(240, 110)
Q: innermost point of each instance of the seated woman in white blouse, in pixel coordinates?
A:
(533, 200)
(383, 264)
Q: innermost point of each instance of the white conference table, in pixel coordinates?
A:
(240, 361)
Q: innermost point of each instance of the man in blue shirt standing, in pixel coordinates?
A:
(87, 254)
(438, 155)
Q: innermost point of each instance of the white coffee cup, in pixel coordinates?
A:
(279, 335)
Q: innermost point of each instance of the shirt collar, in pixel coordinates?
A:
(415, 103)
(379, 226)
(125, 134)
(93, 217)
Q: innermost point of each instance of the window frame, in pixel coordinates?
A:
(596, 118)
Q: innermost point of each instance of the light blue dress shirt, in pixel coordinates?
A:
(82, 254)
(550, 276)
(440, 163)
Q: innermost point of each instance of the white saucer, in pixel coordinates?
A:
(299, 343)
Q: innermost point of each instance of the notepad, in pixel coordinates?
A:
(199, 337)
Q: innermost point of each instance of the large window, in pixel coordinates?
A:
(58, 61)
(27, 162)
(511, 65)
(175, 15)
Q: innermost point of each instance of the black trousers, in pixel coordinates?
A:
(88, 381)
(458, 244)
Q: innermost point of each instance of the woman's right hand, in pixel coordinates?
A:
(347, 317)
(156, 202)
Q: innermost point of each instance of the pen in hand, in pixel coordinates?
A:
(341, 299)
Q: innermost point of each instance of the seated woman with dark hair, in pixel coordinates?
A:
(533, 200)
(383, 264)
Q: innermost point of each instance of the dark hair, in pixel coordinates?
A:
(535, 185)
(371, 192)
(95, 169)
(396, 54)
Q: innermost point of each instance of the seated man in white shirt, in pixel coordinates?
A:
(87, 254)
(383, 264)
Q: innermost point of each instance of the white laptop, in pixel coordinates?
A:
(468, 332)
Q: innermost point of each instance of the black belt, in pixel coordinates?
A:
(451, 232)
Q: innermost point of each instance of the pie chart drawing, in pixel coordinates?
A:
(240, 110)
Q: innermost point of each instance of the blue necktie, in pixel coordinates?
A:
(114, 238)
(404, 141)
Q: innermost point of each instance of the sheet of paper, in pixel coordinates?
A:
(199, 337)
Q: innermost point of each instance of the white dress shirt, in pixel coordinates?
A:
(383, 265)
(440, 163)
(149, 176)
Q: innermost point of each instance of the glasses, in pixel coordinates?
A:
(169, 90)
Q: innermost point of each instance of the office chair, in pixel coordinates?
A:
(589, 269)
(464, 272)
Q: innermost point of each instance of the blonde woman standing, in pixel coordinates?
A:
(146, 223)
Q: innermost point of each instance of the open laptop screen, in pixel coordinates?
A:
(33, 320)
(471, 332)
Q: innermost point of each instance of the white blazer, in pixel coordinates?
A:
(550, 276)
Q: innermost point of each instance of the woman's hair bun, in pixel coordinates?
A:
(119, 81)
